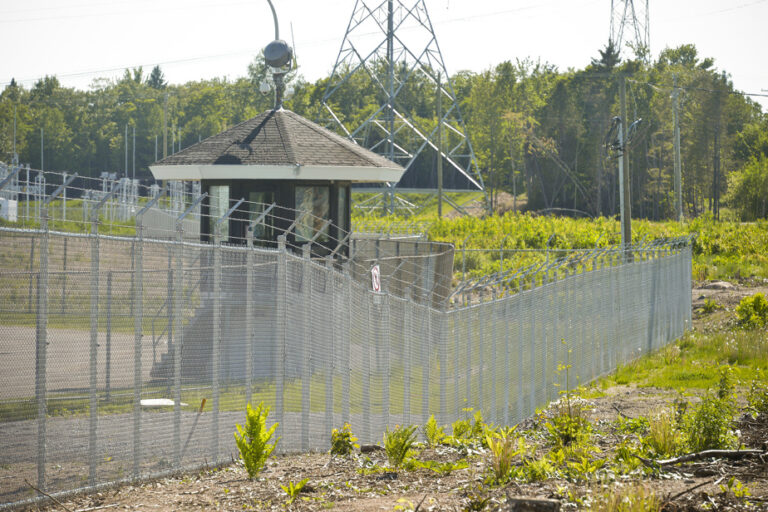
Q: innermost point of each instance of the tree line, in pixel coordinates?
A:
(534, 129)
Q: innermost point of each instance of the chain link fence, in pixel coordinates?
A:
(125, 357)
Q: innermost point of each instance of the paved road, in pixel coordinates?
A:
(68, 360)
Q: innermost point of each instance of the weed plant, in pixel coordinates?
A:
(433, 433)
(503, 447)
(253, 441)
(399, 443)
(663, 439)
(293, 490)
(343, 441)
(627, 499)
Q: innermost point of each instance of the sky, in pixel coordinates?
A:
(80, 40)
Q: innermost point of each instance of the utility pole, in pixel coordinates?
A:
(439, 147)
(134, 152)
(42, 166)
(678, 167)
(624, 196)
(165, 127)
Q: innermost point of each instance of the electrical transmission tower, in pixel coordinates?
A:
(630, 24)
(392, 45)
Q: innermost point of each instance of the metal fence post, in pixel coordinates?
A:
(507, 346)
(138, 328)
(469, 356)
(330, 369)
(407, 314)
(442, 349)
(345, 341)
(249, 313)
(108, 363)
(41, 352)
(306, 329)
(532, 342)
(31, 268)
(94, 400)
(64, 280)
(280, 326)
(520, 349)
(178, 336)
(384, 345)
(367, 371)
(456, 315)
(426, 343)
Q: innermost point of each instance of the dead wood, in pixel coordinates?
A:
(706, 454)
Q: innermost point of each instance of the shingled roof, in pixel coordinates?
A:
(277, 144)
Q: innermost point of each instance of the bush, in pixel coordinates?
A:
(757, 398)
(433, 433)
(398, 444)
(253, 440)
(752, 312)
(708, 426)
(343, 441)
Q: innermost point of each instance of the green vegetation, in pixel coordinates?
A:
(293, 490)
(752, 312)
(343, 441)
(695, 359)
(253, 440)
(721, 250)
(536, 130)
(399, 443)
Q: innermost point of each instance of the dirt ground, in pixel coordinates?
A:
(340, 484)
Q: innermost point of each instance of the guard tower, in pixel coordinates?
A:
(282, 158)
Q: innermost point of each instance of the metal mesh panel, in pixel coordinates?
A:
(112, 345)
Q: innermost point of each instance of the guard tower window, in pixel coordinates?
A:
(219, 204)
(260, 201)
(313, 208)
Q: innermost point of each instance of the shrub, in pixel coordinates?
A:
(343, 441)
(398, 444)
(433, 433)
(757, 397)
(708, 426)
(253, 440)
(752, 312)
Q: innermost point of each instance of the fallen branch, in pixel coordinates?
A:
(702, 484)
(706, 454)
(48, 496)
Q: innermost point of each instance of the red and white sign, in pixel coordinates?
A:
(376, 278)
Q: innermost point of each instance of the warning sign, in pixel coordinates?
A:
(376, 278)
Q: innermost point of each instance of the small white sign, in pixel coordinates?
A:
(376, 278)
